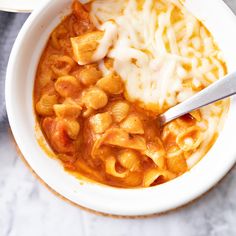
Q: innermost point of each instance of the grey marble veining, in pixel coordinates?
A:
(27, 208)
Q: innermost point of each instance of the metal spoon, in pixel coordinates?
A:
(220, 89)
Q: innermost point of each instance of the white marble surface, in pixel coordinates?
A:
(27, 208)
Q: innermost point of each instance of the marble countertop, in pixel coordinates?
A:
(27, 208)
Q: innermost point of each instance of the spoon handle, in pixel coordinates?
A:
(220, 89)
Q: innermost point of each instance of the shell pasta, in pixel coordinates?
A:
(105, 75)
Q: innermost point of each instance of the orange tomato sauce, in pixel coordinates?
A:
(126, 166)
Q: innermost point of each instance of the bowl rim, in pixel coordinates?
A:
(16, 6)
(41, 181)
(112, 192)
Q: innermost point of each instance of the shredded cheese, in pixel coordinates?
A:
(151, 49)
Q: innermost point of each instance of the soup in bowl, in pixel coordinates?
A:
(99, 78)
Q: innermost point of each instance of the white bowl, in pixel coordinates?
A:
(130, 202)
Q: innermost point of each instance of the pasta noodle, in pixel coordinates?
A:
(101, 122)
(120, 111)
(68, 109)
(108, 69)
(67, 86)
(111, 84)
(132, 125)
(155, 175)
(90, 75)
(111, 168)
(61, 64)
(129, 159)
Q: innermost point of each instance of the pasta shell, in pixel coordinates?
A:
(120, 138)
(189, 139)
(111, 83)
(101, 122)
(69, 109)
(73, 128)
(156, 152)
(61, 64)
(120, 111)
(129, 159)
(133, 125)
(45, 105)
(95, 98)
(90, 75)
(111, 168)
(67, 86)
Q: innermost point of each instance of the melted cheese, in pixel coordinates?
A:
(151, 50)
(110, 35)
